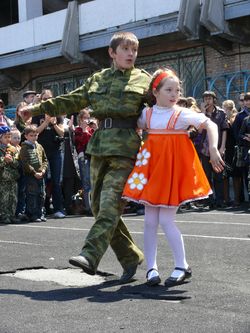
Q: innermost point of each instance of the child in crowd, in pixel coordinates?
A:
(168, 172)
(15, 138)
(34, 163)
(20, 208)
(82, 135)
(8, 177)
(22, 119)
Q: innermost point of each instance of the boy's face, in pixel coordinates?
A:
(5, 138)
(247, 103)
(15, 139)
(124, 56)
(241, 100)
(29, 98)
(32, 137)
(208, 100)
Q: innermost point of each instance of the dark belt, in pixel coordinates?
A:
(109, 123)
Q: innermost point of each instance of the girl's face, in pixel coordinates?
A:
(169, 93)
(5, 138)
(15, 139)
(84, 120)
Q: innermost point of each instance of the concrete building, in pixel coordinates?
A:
(57, 43)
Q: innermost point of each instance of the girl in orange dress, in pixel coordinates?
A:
(168, 172)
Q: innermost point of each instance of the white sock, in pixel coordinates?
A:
(152, 274)
(150, 238)
(174, 237)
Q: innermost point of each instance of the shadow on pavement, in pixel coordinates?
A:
(97, 294)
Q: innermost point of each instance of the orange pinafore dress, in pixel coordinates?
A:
(167, 171)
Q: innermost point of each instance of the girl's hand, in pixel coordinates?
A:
(216, 160)
(71, 123)
(8, 158)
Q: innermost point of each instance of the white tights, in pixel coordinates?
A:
(166, 218)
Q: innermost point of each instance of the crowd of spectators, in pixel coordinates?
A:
(49, 166)
(44, 167)
(231, 188)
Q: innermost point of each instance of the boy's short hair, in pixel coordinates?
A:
(247, 96)
(125, 37)
(30, 129)
(209, 93)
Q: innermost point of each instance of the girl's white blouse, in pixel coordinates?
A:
(161, 116)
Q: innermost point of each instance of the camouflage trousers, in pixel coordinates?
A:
(108, 177)
(8, 200)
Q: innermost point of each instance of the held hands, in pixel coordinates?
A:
(216, 160)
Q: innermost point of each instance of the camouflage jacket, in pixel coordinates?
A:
(33, 158)
(9, 171)
(110, 93)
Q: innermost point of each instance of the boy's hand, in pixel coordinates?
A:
(53, 120)
(203, 107)
(38, 175)
(26, 111)
(216, 160)
(247, 137)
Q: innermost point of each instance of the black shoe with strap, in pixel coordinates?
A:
(172, 281)
(153, 281)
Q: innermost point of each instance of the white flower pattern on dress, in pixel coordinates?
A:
(137, 181)
(142, 157)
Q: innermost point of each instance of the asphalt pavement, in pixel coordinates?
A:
(41, 292)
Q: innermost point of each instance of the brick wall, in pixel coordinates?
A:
(231, 61)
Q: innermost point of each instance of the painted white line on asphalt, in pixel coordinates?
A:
(218, 237)
(201, 222)
(201, 236)
(49, 227)
(21, 243)
(134, 232)
(215, 222)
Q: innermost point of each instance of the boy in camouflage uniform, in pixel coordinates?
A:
(8, 177)
(34, 163)
(116, 96)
